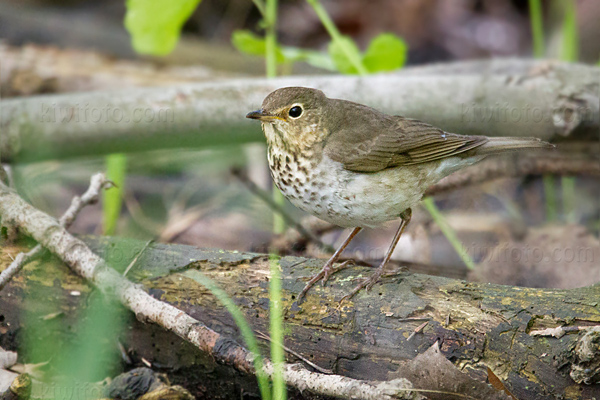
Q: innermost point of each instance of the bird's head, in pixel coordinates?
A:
(292, 116)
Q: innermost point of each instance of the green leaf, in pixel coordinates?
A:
(155, 25)
(386, 52)
(249, 43)
(315, 58)
(339, 50)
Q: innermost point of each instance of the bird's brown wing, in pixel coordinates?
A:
(401, 141)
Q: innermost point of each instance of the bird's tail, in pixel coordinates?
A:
(505, 144)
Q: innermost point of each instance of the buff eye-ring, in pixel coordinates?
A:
(295, 111)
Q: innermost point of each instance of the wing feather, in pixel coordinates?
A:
(399, 141)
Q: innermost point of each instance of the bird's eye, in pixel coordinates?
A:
(295, 111)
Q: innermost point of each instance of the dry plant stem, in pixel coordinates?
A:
(267, 198)
(264, 336)
(516, 165)
(97, 183)
(417, 330)
(50, 234)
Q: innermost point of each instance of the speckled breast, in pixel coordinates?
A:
(345, 198)
(295, 177)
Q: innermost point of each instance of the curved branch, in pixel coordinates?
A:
(77, 255)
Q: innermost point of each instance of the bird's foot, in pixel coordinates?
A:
(332, 270)
(366, 283)
(323, 275)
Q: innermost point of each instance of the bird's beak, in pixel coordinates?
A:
(261, 115)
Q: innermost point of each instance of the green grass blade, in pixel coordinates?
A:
(448, 232)
(337, 36)
(570, 53)
(276, 330)
(570, 35)
(537, 29)
(568, 196)
(242, 324)
(112, 199)
(270, 18)
(550, 194)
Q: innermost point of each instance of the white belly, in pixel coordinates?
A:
(351, 199)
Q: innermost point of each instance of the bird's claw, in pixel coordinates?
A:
(323, 275)
(333, 270)
(366, 283)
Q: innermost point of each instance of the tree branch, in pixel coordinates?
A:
(77, 255)
(519, 164)
(91, 196)
(497, 98)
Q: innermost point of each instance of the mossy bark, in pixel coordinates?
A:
(478, 325)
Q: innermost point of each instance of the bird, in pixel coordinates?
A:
(357, 167)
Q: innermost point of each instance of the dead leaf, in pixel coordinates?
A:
(439, 379)
(497, 383)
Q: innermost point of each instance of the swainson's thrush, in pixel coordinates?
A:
(357, 167)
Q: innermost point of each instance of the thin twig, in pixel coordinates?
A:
(18, 263)
(418, 329)
(91, 196)
(97, 183)
(266, 197)
(78, 256)
(264, 336)
(132, 263)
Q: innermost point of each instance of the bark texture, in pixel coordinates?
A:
(478, 325)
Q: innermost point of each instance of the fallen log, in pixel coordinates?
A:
(373, 340)
(478, 325)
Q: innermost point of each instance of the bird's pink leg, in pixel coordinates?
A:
(369, 282)
(328, 269)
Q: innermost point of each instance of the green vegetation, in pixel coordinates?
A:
(155, 25)
(112, 199)
(276, 330)
(245, 329)
(448, 232)
(537, 28)
(569, 52)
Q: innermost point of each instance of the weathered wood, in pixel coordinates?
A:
(501, 98)
(366, 338)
